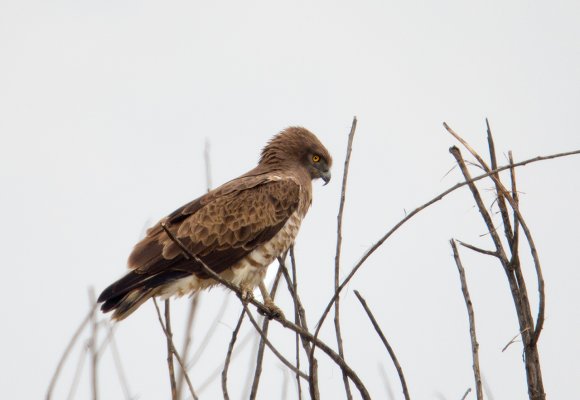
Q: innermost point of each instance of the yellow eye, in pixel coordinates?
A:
(316, 158)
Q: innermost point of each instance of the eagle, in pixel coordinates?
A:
(237, 229)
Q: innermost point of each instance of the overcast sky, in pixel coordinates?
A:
(105, 107)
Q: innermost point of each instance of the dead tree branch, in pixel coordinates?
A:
(386, 343)
(229, 356)
(407, 217)
(512, 268)
(174, 350)
(265, 326)
(471, 315)
(337, 256)
(169, 338)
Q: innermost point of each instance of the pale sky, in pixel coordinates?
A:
(105, 109)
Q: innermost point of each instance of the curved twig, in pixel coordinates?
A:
(386, 343)
(229, 356)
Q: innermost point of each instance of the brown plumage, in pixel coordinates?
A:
(237, 229)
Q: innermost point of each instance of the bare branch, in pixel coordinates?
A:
(229, 355)
(169, 337)
(466, 393)
(512, 341)
(386, 343)
(271, 346)
(174, 350)
(500, 198)
(514, 274)
(78, 372)
(265, 326)
(479, 250)
(337, 256)
(92, 347)
(119, 365)
(505, 193)
(300, 319)
(471, 315)
(68, 350)
(203, 343)
(193, 303)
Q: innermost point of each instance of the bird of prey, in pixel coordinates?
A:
(237, 229)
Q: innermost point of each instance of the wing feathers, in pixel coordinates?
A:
(224, 227)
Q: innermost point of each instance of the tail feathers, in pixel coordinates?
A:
(128, 293)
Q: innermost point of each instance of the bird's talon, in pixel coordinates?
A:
(273, 311)
(247, 295)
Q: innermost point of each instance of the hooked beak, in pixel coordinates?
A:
(325, 175)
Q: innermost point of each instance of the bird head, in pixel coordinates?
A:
(299, 146)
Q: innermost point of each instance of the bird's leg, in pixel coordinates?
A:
(273, 309)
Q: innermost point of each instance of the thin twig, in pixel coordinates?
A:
(512, 341)
(479, 250)
(219, 369)
(68, 350)
(296, 319)
(194, 301)
(337, 256)
(471, 315)
(229, 355)
(313, 363)
(500, 198)
(265, 326)
(169, 337)
(271, 346)
(92, 347)
(174, 350)
(78, 373)
(466, 393)
(386, 343)
(119, 365)
(209, 334)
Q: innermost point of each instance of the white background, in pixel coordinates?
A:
(104, 110)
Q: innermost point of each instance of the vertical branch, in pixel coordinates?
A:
(294, 294)
(500, 198)
(515, 196)
(169, 337)
(337, 256)
(187, 341)
(471, 315)
(68, 350)
(299, 309)
(173, 349)
(92, 347)
(386, 343)
(119, 366)
(229, 356)
(265, 326)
